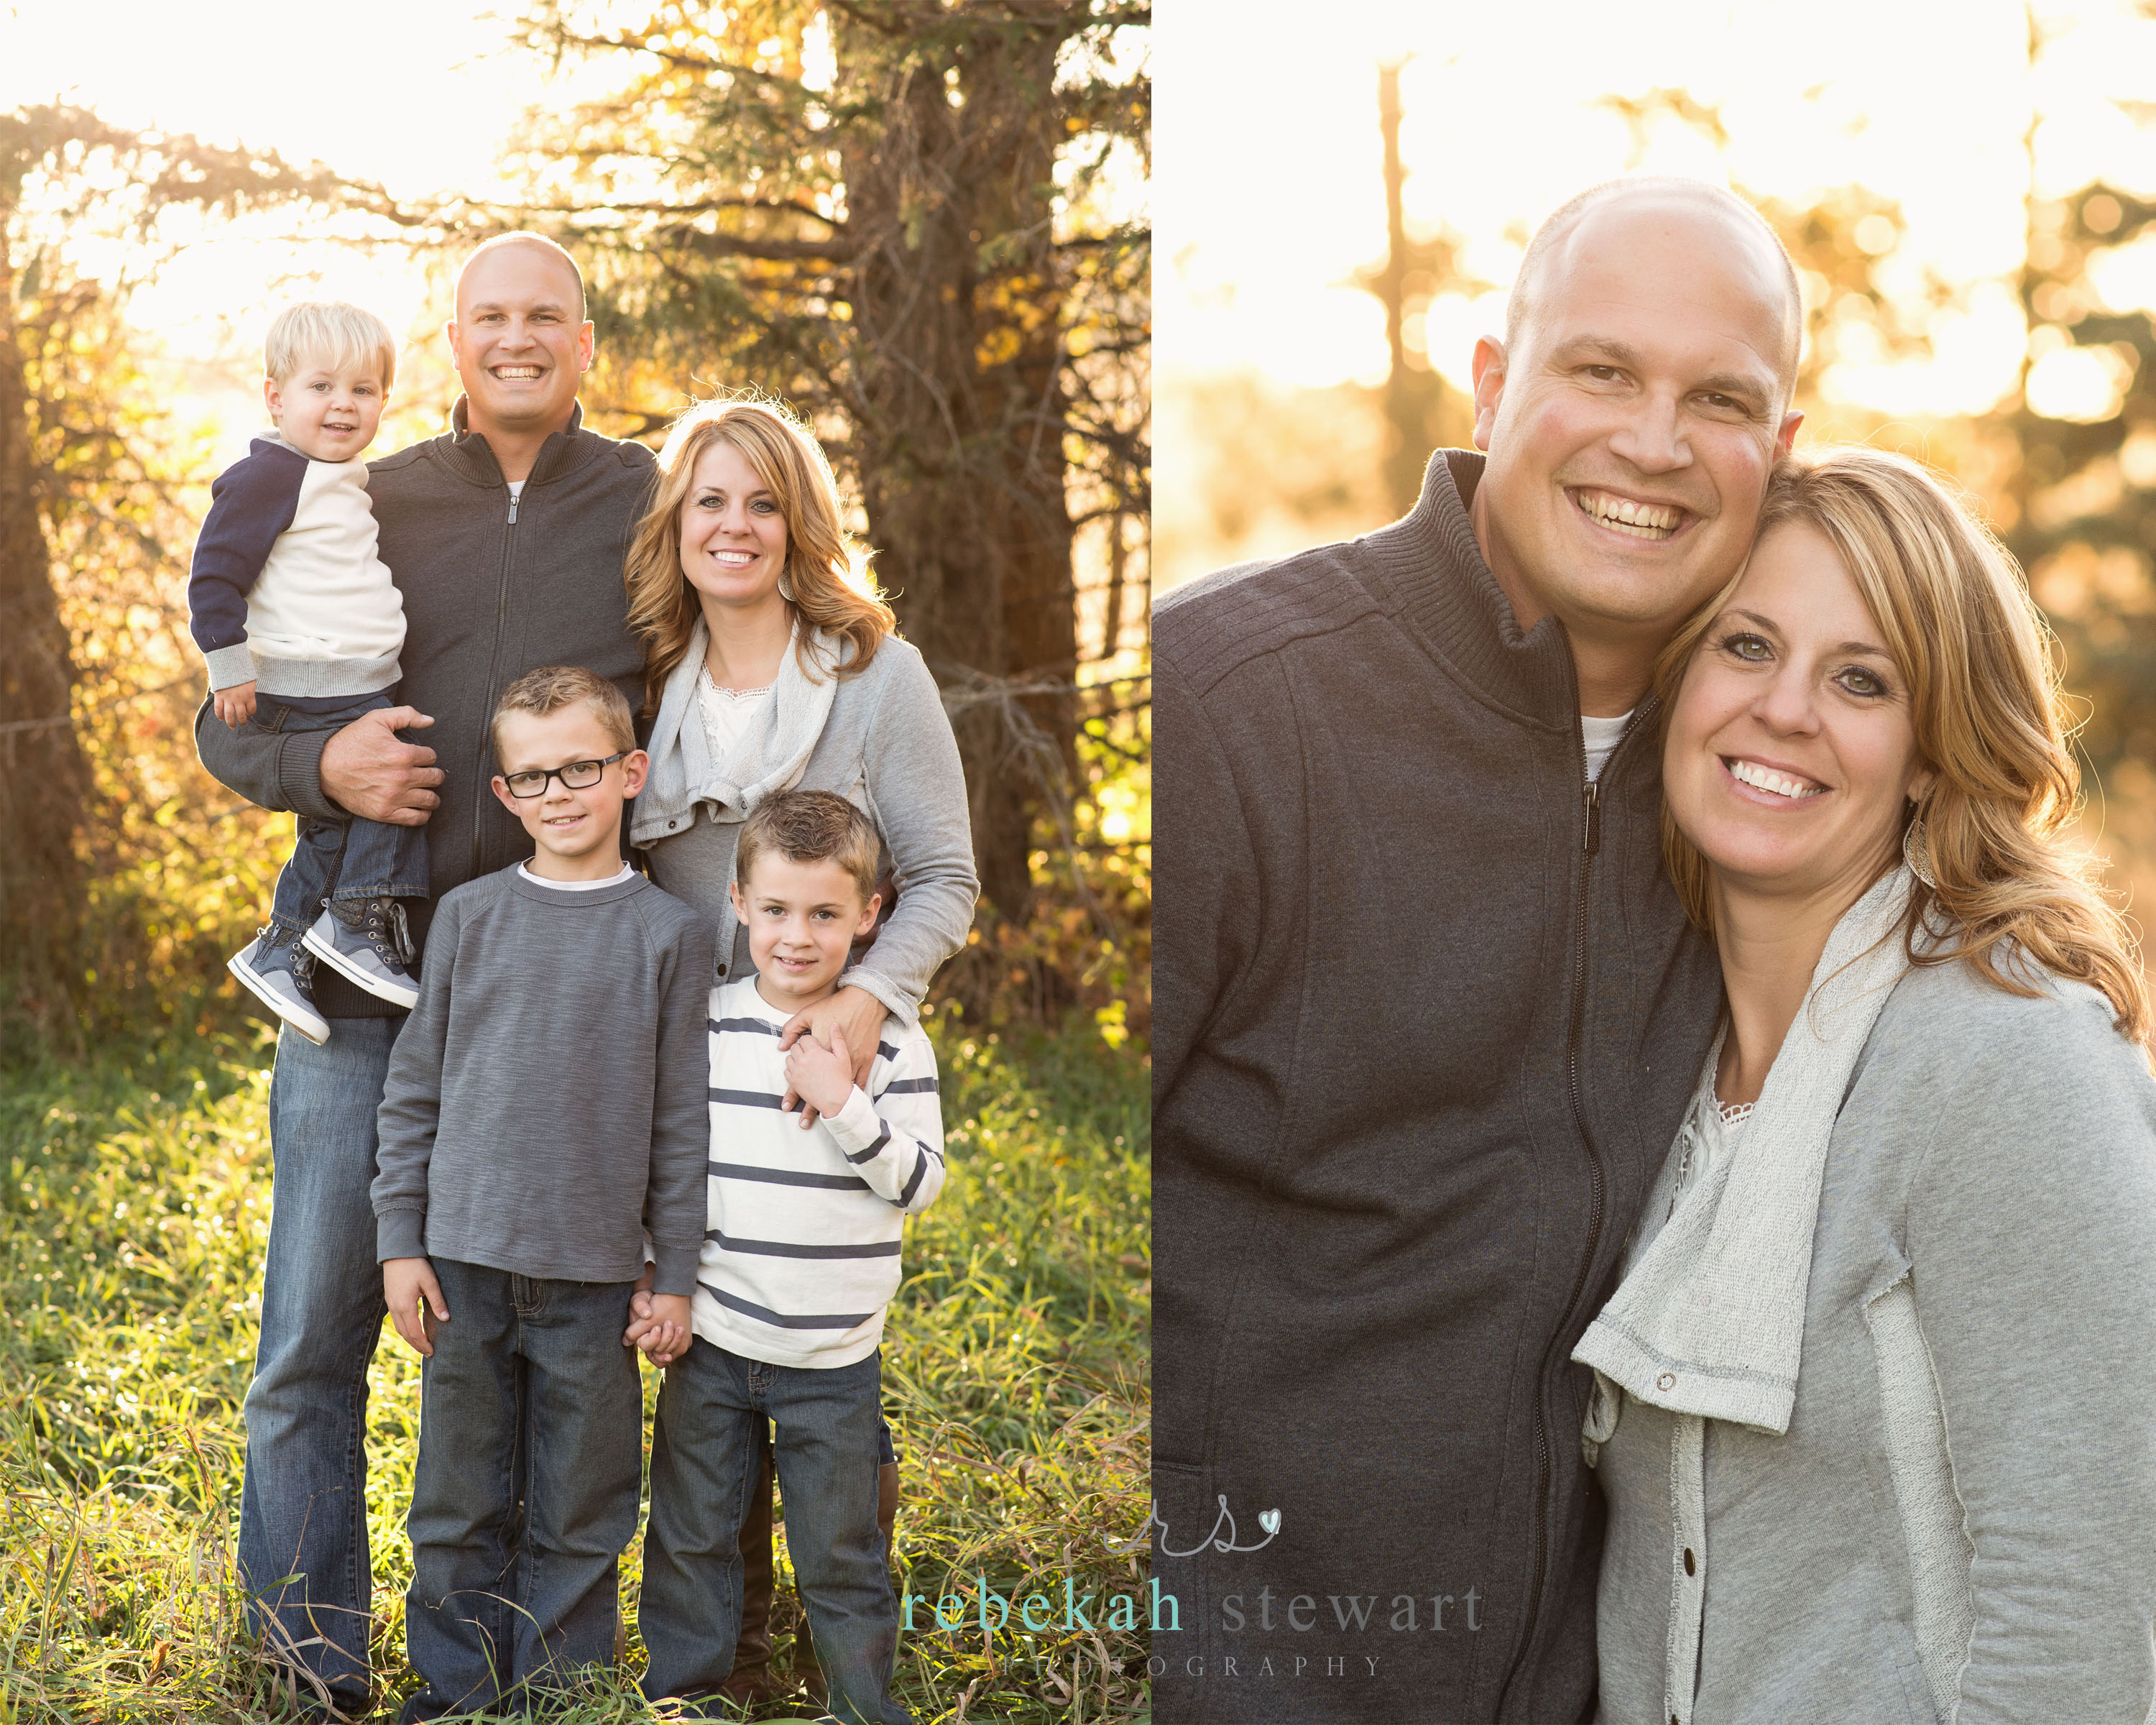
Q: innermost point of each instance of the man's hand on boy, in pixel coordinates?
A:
(415, 1300)
(856, 1017)
(822, 1077)
(235, 706)
(368, 771)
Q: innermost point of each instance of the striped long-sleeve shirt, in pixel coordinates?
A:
(801, 1254)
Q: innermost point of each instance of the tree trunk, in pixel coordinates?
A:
(43, 779)
(960, 406)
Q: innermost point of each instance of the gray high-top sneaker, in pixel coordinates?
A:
(277, 974)
(368, 941)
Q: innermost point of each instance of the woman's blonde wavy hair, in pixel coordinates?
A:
(828, 574)
(1990, 720)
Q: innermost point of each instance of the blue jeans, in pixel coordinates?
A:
(704, 1467)
(531, 1456)
(303, 1507)
(352, 858)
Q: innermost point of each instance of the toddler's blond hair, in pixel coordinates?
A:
(330, 333)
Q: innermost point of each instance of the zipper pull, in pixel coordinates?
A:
(1594, 835)
(512, 509)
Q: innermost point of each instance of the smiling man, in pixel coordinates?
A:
(1427, 1011)
(504, 535)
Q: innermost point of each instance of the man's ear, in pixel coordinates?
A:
(1788, 434)
(1489, 375)
(587, 345)
(635, 768)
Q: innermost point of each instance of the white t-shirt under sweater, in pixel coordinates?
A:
(801, 1255)
(1600, 737)
(525, 870)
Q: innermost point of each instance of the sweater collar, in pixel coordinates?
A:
(469, 452)
(1439, 581)
(526, 887)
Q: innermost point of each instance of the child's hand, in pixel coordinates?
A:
(236, 705)
(822, 1077)
(639, 1311)
(405, 1284)
(668, 1336)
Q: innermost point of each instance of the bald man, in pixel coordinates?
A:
(504, 535)
(1426, 1010)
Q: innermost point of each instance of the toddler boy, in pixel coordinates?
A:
(542, 1135)
(301, 627)
(799, 1262)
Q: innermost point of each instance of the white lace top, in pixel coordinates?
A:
(725, 712)
(1712, 1131)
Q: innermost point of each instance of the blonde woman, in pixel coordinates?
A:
(772, 666)
(1874, 1398)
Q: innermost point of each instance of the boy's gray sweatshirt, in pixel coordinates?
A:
(546, 1105)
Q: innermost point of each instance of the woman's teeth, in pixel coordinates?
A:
(1621, 515)
(1765, 779)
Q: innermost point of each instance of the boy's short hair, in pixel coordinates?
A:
(337, 333)
(811, 826)
(547, 690)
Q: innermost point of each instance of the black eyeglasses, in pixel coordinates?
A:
(577, 776)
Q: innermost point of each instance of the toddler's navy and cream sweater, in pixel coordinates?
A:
(287, 591)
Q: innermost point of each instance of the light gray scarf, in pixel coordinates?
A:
(770, 755)
(1710, 1319)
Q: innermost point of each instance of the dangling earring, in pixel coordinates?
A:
(1913, 850)
(786, 587)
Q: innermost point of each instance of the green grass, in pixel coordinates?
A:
(131, 1226)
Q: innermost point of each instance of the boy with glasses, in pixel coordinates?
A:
(544, 1118)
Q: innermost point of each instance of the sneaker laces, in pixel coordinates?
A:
(300, 957)
(386, 928)
(273, 935)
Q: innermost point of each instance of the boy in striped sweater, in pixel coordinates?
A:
(800, 1260)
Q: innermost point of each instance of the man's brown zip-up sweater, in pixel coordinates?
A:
(1426, 1016)
(493, 586)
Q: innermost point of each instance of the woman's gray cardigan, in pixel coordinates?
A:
(886, 746)
(1971, 1461)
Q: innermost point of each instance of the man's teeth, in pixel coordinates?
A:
(1765, 779)
(1641, 520)
(516, 371)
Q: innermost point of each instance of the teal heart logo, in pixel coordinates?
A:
(1269, 1520)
